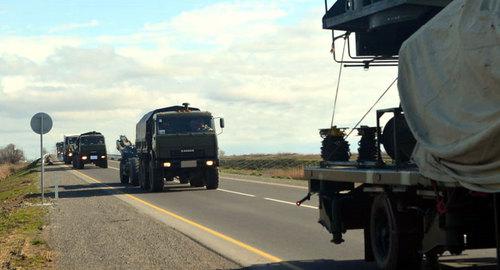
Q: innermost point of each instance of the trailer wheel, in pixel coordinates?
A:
(133, 171)
(212, 178)
(394, 240)
(124, 177)
(155, 178)
(143, 175)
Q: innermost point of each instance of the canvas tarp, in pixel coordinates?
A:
(449, 86)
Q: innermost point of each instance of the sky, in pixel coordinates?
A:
(265, 66)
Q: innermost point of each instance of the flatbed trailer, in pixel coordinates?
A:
(408, 220)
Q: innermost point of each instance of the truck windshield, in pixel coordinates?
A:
(184, 124)
(92, 140)
(71, 140)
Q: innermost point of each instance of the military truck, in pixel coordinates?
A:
(177, 141)
(60, 150)
(439, 190)
(68, 145)
(89, 148)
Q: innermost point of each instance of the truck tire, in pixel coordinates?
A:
(124, 177)
(104, 164)
(212, 178)
(394, 236)
(143, 174)
(155, 178)
(133, 171)
(197, 179)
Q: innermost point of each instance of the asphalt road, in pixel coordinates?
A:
(260, 215)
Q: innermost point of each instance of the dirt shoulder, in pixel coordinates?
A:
(22, 222)
(90, 228)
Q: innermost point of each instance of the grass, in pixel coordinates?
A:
(283, 165)
(22, 223)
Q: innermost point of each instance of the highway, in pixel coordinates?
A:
(253, 223)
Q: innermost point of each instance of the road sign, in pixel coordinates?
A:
(41, 123)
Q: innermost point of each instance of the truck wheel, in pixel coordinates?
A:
(104, 164)
(124, 177)
(74, 164)
(133, 171)
(143, 175)
(155, 178)
(212, 178)
(196, 179)
(394, 236)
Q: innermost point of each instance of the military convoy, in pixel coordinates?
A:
(172, 142)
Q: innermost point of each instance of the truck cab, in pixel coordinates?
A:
(68, 145)
(89, 148)
(177, 141)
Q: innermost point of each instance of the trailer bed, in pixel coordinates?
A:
(382, 176)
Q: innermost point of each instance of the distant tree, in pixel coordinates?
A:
(10, 154)
(222, 153)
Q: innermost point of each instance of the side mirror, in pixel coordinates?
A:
(221, 122)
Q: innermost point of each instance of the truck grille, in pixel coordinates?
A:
(197, 153)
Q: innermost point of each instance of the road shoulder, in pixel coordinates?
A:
(90, 228)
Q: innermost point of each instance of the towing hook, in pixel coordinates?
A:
(306, 198)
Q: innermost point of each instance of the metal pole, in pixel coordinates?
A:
(41, 157)
(496, 207)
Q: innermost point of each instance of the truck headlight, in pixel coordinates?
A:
(210, 162)
(103, 157)
(84, 157)
(70, 154)
(167, 164)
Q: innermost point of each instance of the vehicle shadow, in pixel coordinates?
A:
(314, 264)
(55, 168)
(445, 264)
(107, 189)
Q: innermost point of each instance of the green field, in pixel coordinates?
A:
(284, 165)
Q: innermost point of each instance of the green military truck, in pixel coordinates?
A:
(68, 144)
(89, 148)
(177, 141)
(60, 150)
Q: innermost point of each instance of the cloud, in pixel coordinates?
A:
(273, 82)
(73, 26)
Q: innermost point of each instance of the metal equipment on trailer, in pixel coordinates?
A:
(129, 163)
(409, 215)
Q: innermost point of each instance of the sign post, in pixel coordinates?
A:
(41, 123)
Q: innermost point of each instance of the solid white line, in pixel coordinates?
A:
(236, 192)
(260, 182)
(292, 203)
(113, 168)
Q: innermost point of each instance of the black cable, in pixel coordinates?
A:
(369, 110)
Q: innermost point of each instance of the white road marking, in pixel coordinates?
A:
(113, 168)
(236, 192)
(292, 203)
(260, 182)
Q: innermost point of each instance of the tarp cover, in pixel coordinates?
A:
(449, 86)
